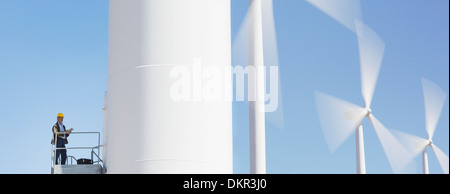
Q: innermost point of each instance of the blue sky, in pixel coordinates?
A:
(53, 58)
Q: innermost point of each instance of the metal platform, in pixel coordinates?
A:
(77, 169)
(94, 167)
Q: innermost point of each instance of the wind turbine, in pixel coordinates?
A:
(339, 119)
(434, 98)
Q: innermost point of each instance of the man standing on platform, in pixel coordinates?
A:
(61, 139)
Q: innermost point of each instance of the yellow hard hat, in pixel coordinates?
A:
(60, 115)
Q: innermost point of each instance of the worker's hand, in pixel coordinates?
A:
(70, 130)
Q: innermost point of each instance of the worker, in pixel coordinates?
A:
(61, 138)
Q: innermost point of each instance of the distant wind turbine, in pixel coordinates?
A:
(339, 119)
(434, 98)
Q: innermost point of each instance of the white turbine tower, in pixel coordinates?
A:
(261, 31)
(340, 119)
(152, 43)
(434, 98)
(256, 90)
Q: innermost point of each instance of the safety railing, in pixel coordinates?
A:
(95, 150)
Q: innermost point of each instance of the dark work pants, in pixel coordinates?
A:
(62, 153)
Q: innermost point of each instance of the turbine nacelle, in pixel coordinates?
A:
(358, 114)
(367, 112)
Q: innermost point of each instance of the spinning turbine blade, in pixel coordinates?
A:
(269, 34)
(371, 51)
(274, 114)
(343, 11)
(434, 98)
(414, 144)
(397, 155)
(442, 158)
(338, 118)
(240, 42)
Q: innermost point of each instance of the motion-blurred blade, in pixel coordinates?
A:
(239, 49)
(414, 144)
(274, 115)
(396, 153)
(442, 158)
(269, 33)
(343, 11)
(434, 98)
(240, 42)
(371, 51)
(334, 118)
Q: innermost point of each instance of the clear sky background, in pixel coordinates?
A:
(53, 58)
